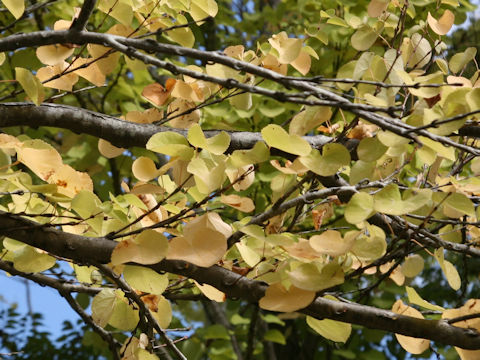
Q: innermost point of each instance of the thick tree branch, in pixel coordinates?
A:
(98, 250)
(79, 23)
(119, 132)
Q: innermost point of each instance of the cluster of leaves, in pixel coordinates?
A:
(232, 175)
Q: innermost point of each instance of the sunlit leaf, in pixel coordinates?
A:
(278, 298)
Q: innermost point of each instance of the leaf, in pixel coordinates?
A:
(288, 48)
(359, 208)
(330, 329)
(450, 272)
(333, 157)
(86, 204)
(157, 94)
(413, 265)
(363, 38)
(309, 118)
(144, 169)
(217, 144)
(108, 150)
(16, 7)
(211, 292)
(460, 60)
(182, 36)
(258, 154)
(275, 336)
(371, 247)
(416, 299)
(440, 149)
(200, 9)
(278, 298)
(209, 175)
(193, 248)
(243, 204)
(145, 279)
(410, 344)
(389, 201)
(89, 70)
(149, 247)
(170, 143)
(331, 243)
(120, 10)
(31, 260)
(316, 277)
(370, 149)
(377, 7)
(102, 306)
(443, 25)
(30, 84)
(275, 136)
(53, 54)
(124, 316)
(163, 313)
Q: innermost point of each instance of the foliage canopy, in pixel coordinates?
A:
(245, 179)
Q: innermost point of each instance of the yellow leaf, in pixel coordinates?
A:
(31, 260)
(89, 70)
(211, 292)
(145, 279)
(65, 82)
(333, 157)
(309, 118)
(124, 315)
(288, 48)
(39, 157)
(377, 7)
(243, 204)
(247, 180)
(450, 272)
(16, 7)
(108, 150)
(410, 344)
(302, 63)
(200, 9)
(120, 10)
(53, 54)
(330, 329)
(363, 38)
(275, 136)
(217, 144)
(331, 243)
(69, 181)
(359, 208)
(413, 265)
(278, 298)
(102, 306)
(164, 312)
(183, 116)
(443, 25)
(144, 169)
(416, 299)
(193, 248)
(30, 84)
(371, 247)
(315, 276)
(149, 247)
